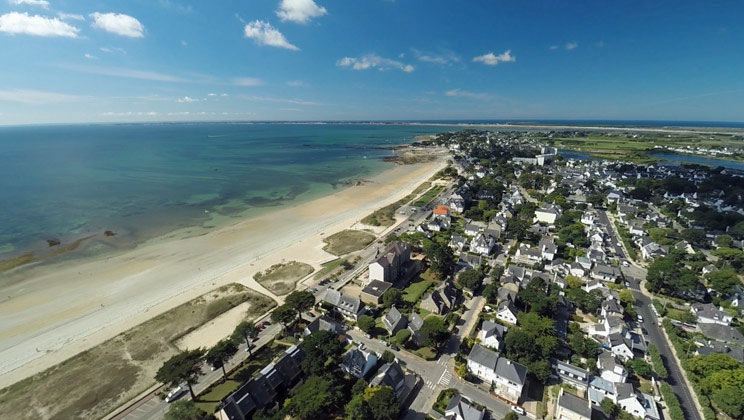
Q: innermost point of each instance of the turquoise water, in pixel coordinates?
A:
(143, 180)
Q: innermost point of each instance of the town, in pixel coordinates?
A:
(520, 283)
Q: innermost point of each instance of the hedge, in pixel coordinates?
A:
(675, 409)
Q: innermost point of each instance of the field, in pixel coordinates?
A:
(428, 196)
(347, 241)
(386, 215)
(94, 383)
(333, 267)
(281, 279)
(415, 290)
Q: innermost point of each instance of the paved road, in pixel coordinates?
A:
(634, 275)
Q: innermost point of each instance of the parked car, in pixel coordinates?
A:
(640, 318)
(517, 409)
(174, 393)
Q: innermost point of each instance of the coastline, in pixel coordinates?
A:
(57, 310)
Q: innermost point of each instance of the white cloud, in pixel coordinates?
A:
(119, 24)
(23, 23)
(35, 97)
(247, 81)
(70, 16)
(123, 72)
(184, 43)
(295, 83)
(224, 95)
(211, 94)
(299, 11)
(369, 61)
(446, 58)
(465, 94)
(90, 56)
(112, 50)
(491, 59)
(186, 100)
(553, 47)
(572, 45)
(40, 3)
(265, 34)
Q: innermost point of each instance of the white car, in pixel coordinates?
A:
(174, 393)
(640, 318)
(517, 409)
(626, 263)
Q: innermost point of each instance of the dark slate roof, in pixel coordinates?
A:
(376, 288)
(575, 404)
(484, 356)
(512, 371)
(722, 333)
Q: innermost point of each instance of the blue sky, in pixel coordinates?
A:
(175, 60)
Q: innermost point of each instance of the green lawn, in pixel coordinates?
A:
(428, 196)
(414, 291)
(211, 400)
(327, 268)
(347, 241)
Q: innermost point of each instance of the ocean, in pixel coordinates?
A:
(142, 181)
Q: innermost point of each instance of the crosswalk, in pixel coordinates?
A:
(445, 379)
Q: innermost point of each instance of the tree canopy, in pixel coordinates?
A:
(322, 353)
(182, 367)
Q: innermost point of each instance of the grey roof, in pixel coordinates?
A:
(722, 333)
(575, 404)
(342, 301)
(415, 323)
(394, 320)
(390, 375)
(512, 371)
(601, 383)
(463, 409)
(624, 390)
(377, 288)
(493, 329)
(484, 356)
(577, 371)
(607, 361)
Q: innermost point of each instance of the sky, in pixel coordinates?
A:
(70, 61)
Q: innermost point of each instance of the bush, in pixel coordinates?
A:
(675, 409)
(657, 362)
(660, 308)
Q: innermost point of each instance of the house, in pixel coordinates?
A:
(345, 305)
(709, 269)
(373, 291)
(394, 321)
(388, 267)
(482, 244)
(724, 333)
(707, 347)
(610, 368)
(442, 299)
(570, 374)
(548, 249)
(439, 223)
(261, 389)
(510, 379)
(620, 346)
(358, 362)
(441, 210)
(547, 213)
(492, 335)
(458, 241)
(637, 404)
(528, 255)
(652, 250)
(706, 313)
(605, 273)
(460, 408)
(414, 326)
(571, 407)
(322, 323)
(474, 228)
(507, 312)
(614, 196)
(599, 389)
(392, 375)
(482, 363)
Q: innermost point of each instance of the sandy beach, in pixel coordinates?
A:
(52, 312)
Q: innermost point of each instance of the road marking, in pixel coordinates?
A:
(445, 378)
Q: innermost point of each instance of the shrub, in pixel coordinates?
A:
(675, 409)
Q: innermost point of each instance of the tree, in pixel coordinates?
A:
(284, 315)
(729, 401)
(218, 355)
(314, 399)
(186, 410)
(392, 297)
(596, 200)
(491, 292)
(626, 297)
(382, 403)
(574, 282)
(300, 301)
(182, 367)
(435, 331)
(539, 297)
(388, 356)
(322, 352)
(441, 258)
(724, 241)
(366, 323)
(640, 367)
(723, 281)
(401, 337)
(609, 407)
(511, 416)
(245, 330)
(471, 279)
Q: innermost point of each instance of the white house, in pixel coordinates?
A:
(637, 404)
(610, 368)
(547, 213)
(482, 363)
(482, 244)
(706, 313)
(492, 335)
(507, 312)
(510, 379)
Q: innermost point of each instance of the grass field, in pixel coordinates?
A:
(415, 290)
(94, 383)
(427, 197)
(332, 267)
(386, 215)
(281, 279)
(347, 241)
